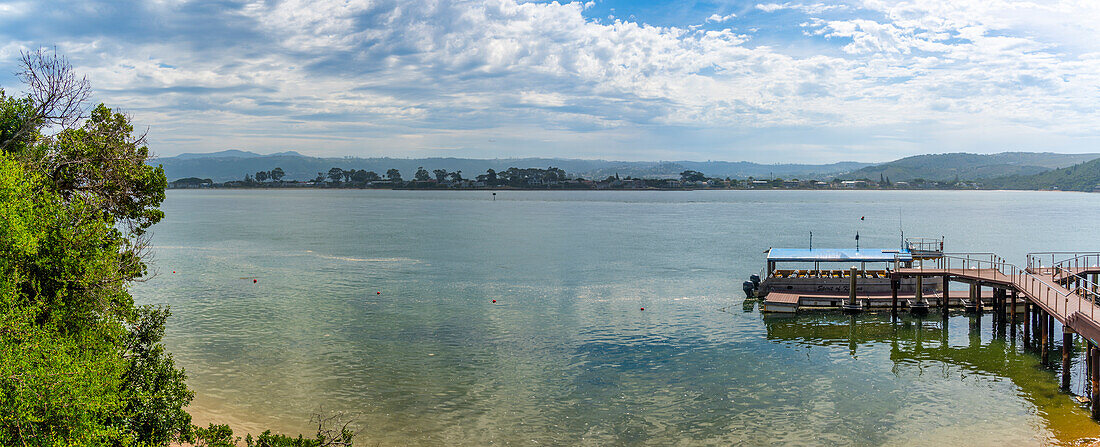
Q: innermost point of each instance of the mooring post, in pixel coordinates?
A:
(946, 294)
(852, 287)
(920, 289)
(894, 285)
(1067, 350)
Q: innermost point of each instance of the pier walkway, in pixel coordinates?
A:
(1062, 290)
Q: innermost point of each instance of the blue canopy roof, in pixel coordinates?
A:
(837, 255)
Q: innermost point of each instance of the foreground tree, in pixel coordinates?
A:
(55, 97)
(79, 363)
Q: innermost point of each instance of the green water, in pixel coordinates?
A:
(565, 356)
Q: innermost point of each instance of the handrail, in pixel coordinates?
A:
(1035, 259)
(924, 244)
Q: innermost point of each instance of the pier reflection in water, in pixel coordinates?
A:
(965, 350)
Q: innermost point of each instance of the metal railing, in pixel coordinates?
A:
(1048, 259)
(923, 244)
(1055, 297)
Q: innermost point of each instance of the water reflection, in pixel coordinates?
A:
(974, 344)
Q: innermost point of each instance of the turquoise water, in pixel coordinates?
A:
(566, 355)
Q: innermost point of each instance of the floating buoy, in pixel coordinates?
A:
(379, 293)
(173, 271)
(254, 281)
(643, 308)
(494, 301)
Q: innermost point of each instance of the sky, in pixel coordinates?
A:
(804, 82)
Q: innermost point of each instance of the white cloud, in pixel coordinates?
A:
(370, 74)
(716, 18)
(813, 8)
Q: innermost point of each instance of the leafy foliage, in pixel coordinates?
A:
(79, 363)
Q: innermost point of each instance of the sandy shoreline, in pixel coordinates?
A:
(205, 411)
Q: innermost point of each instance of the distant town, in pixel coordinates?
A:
(547, 179)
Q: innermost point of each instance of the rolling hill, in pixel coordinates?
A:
(1079, 177)
(964, 166)
(1010, 168)
(233, 165)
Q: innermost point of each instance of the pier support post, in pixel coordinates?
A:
(1044, 330)
(974, 293)
(996, 320)
(1067, 350)
(1002, 312)
(946, 295)
(1027, 324)
(1088, 367)
(1034, 323)
(1012, 315)
(1050, 330)
(1094, 381)
(920, 289)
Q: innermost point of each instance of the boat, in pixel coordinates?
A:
(847, 279)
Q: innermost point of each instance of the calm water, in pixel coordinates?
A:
(565, 355)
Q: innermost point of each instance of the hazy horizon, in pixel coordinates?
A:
(765, 82)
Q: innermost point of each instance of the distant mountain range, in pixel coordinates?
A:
(963, 166)
(234, 164)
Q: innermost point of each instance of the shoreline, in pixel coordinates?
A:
(494, 189)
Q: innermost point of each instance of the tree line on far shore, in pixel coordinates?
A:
(549, 178)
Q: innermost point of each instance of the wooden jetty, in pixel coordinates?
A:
(1057, 287)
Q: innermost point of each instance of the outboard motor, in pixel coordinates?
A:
(748, 288)
(755, 281)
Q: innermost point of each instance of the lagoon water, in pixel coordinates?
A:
(565, 356)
